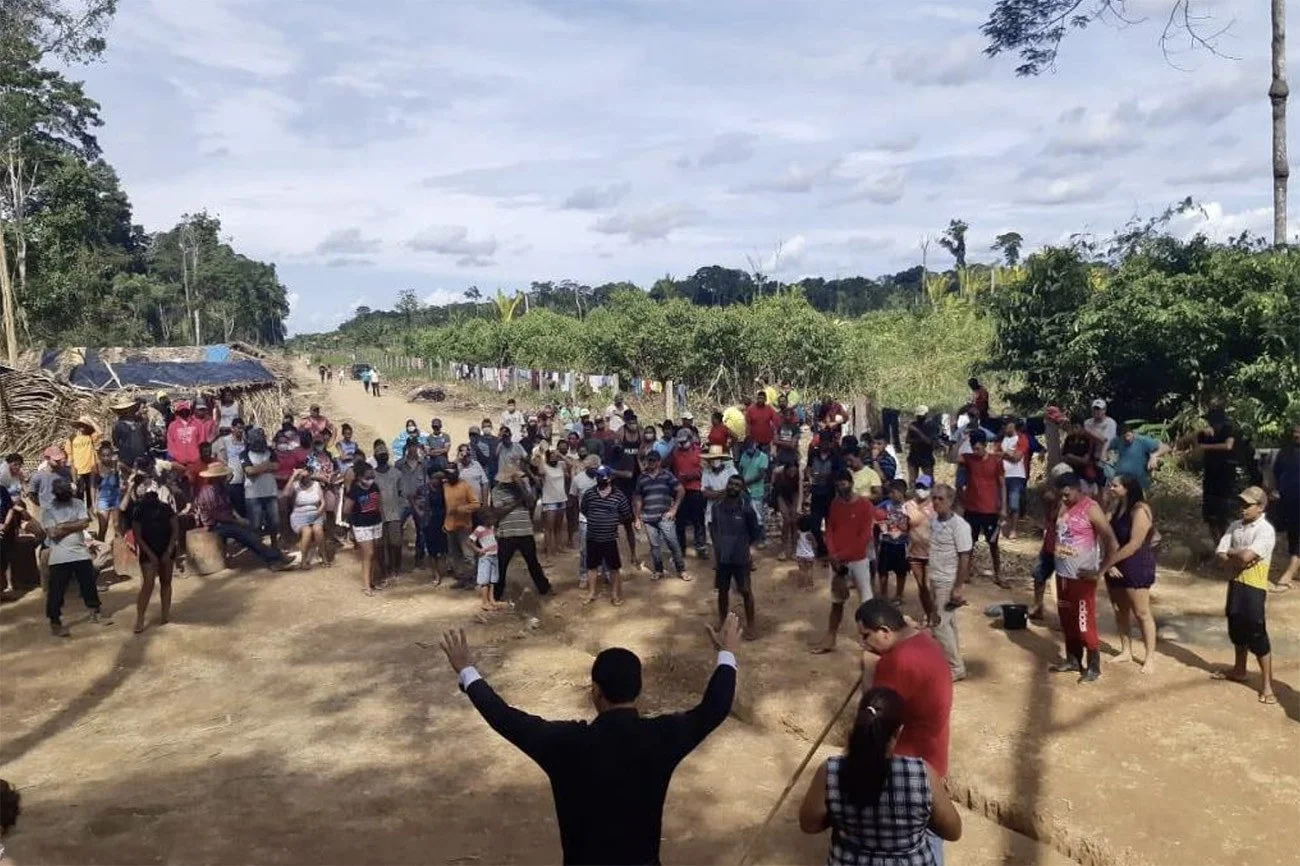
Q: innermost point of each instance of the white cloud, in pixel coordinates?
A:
(345, 242)
(597, 197)
(1089, 132)
(788, 256)
(1065, 190)
(726, 149)
(453, 241)
(959, 61)
(795, 179)
(657, 222)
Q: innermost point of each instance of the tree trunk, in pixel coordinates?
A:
(7, 290)
(1277, 94)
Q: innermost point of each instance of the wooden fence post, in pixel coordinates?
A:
(668, 399)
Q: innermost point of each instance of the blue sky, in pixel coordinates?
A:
(371, 147)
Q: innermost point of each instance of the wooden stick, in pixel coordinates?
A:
(762, 828)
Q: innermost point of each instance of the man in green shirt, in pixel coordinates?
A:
(753, 469)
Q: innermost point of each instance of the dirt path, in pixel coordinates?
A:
(288, 719)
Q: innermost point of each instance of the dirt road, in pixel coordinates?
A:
(289, 719)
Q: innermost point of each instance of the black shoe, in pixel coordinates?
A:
(1070, 665)
(58, 629)
(1093, 673)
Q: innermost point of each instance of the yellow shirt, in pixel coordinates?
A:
(864, 479)
(81, 453)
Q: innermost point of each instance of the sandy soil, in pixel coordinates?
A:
(289, 719)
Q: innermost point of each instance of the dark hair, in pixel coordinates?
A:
(1133, 493)
(843, 475)
(10, 806)
(865, 771)
(806, 523)
(878, 613)
(304, 439)
(973, 382)
(14, 458)
(1069, 479)
(978, 437)
(717, 417)
(617, 673)
(898, 484)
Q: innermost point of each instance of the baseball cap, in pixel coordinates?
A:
(1254, 496)
(1099, 403)
(924, 481)
(1060, 469)
(687, 416)
(604, 472)
(585, 413)
(474, 431)
(922, 410)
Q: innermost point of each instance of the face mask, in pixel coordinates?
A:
(411, 430)
(923, 494)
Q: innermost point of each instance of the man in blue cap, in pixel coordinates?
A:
(606, 508)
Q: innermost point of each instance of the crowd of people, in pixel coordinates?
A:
(630, 494)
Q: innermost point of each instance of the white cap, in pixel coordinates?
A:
(1099, 404)
(687, 416)
(922, 410)
(1060, 469)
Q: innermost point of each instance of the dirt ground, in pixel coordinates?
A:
(289, 719)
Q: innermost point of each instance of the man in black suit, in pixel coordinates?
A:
(609, 776)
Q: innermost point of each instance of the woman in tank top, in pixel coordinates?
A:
(306, 499)
(1080, 527)
(882, 809)
(1131, 570)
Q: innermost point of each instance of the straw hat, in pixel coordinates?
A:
(123, 404)
(215, 470)
(717, 452)
(89, 422)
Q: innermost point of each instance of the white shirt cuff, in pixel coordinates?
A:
(727, 658)
(468, 676)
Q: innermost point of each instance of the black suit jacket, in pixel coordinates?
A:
(610, 776)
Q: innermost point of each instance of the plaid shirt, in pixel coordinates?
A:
(890, 832)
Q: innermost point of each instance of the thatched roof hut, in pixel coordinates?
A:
(39, 402)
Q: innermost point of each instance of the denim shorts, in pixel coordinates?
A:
(1015, 494)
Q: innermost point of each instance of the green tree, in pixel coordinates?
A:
(409, 305)
(1008, 244)
(71, 30)
(43, 117)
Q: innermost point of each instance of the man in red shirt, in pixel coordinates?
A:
(719, 434)
(911, 662)
(761, 421)
(687, 465)
(849, 523)
(315, 423)
(983, 502)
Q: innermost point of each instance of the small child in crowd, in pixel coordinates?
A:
(893, 540)
(805, 551)
(484, 542)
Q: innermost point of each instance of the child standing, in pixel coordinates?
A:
(805, 551)
(893, 540)
(483, 540)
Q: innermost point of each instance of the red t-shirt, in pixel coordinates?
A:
(719, 435)
(687, 466)
(289, 462)
(849, 528)
(760, 423)
(917, 669)
(984, 483)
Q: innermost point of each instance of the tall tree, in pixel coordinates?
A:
(954, 241)
(1009, 243)
(43, 115)
(409, 305)
(1035, 28)
(71, 30)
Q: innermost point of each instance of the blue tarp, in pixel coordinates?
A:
(218, 354)
(140, 371)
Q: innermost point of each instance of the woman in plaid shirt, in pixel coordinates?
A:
(877, 805)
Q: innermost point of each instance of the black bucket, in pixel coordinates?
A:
(1015, 616)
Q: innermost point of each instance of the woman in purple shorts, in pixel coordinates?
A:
(1131, 569)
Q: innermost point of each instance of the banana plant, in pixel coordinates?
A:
(506, 306)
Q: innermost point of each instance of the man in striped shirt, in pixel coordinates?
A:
(658, 496)
(606, 508)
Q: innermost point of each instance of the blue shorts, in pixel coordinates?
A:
(1015, 494)
(487, 571)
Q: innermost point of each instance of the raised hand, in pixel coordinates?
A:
(456, 647)
(728, 637)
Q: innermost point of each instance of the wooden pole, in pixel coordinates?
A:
(752, 846)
